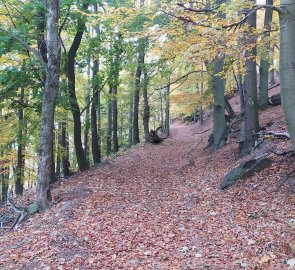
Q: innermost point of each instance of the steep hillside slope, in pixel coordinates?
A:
(160, 207)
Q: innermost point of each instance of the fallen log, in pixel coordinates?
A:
(275, 134)
(246, 169)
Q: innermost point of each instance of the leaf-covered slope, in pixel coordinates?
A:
(160, 207)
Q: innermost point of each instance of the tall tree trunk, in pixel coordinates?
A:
(80, 154)
(220, 128)
(264, 62)
(146, 107)
(65, 150)
(58, 151)
(95, 108)
(287, 64)
(167, 111)
(272, 79)
(140, 63)
(4, 185)
(95, 116)
(48, 107)
(19, 184)
(201, 97)
(130, 120)
(115, 120)
(161, 111)
(251, 125)
(109, 129)
(87, 114)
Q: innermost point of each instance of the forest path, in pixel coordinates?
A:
(158, 207)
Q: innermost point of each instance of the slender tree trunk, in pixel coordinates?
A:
(161, 111)
(65, 150)
(87, 115)
(251, 125)
(58, 151)
(264, 62)
(109, 129)
(130, 120)
(140, 63)
(19, 184)
(95, 108)
(115, 120)
(287, 64)
(272, 79)
(201, 97)
(146, 107)
(167, 111)
(48, 107)
(95, 116)
(80, 154)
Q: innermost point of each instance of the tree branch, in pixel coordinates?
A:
(182, 77)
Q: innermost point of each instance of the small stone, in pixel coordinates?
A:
(291, 263)
(184, 249)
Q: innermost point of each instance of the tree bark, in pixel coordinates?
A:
(87, 114)
(146, 107)
(264, 62)
(109, 129)
(48, 107)
(287, 64)
(167, 111)
(140, 63)
(95, 108)
(80, 154)
(95, 116)
(251, 125)
(130, 120)
(220, 128)
(65, 150)
(19, 184)
(115, 120)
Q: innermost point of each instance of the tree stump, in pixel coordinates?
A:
(275, 100)
(154, 137)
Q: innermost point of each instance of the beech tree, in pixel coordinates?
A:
(48, 106)
(287, 63)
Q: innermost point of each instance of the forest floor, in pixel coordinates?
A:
(160, 207)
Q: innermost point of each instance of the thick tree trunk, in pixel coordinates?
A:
(80, 154)
(264, 63)
(287, 64)
(146, 107)
(140, 63)
(19, 184)
(48, 107)
(251, 125)
(220, 128)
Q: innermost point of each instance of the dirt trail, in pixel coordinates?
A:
(159, 207)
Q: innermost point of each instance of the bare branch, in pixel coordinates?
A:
(182, 77)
